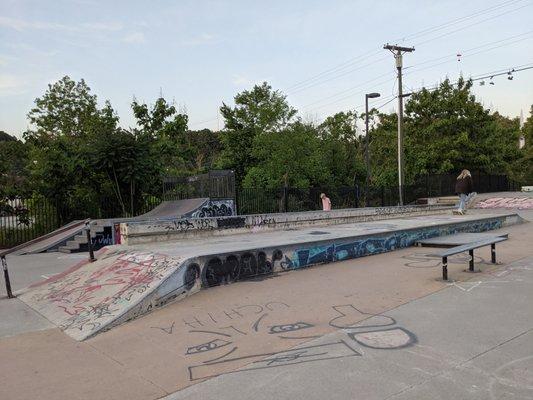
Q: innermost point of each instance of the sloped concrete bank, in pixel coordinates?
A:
(137, 232)
(129, 281)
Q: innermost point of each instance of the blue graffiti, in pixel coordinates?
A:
(380, 244)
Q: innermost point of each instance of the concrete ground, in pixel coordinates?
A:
(377, 327)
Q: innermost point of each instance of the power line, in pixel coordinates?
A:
(473, 24)
(412, 71)
(458, 20)
(347, 90)
(486, 75)
(300, 89)
(473, 48)
(343, 68)
(464, 56)
(321, 78)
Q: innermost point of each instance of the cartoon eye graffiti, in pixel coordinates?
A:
(212, 345)
(289, 327)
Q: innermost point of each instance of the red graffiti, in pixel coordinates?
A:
(507, 202)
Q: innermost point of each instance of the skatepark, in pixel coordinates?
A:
(245, 306)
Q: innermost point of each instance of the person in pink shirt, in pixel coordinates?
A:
(326, 202)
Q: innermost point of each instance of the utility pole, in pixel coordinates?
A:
(398, 52)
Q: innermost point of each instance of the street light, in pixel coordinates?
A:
(368, 96)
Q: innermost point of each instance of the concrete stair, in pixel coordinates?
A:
(79, 242)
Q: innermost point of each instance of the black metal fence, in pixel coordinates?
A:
(216, 184)
(25, 219)
(288, 199)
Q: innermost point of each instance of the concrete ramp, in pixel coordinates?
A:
(175, 209)
(74, 231)
(128, 281)
(51, 240)
(119, 286)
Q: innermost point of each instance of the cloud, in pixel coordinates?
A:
(24, 47)
(12, 85)
(135, 37)
(241, 80)
(22, 25)
(201, 39)
(5, 59)
(244, 81)
(103, 26)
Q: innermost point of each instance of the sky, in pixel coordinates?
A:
(324, 55)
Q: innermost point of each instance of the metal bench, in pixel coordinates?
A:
(470, 248)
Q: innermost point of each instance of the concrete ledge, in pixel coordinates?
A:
(129, 281)
(171, 229)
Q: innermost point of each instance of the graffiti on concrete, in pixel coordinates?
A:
(226, 268)
(168, 330)
(231, 222)
(375, 331)
(216, 208)
(230, 338)
(91, 298)
(183, 225)
(512, 380)
(300, 355)
(521, 203)
(219, 270)
(104, 238)
(256, 336)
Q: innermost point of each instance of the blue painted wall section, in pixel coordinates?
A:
(224, 268)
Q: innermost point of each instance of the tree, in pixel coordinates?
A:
(290, 157)
(448, 130)
(166, 131)
(383, 151)
(66, 109)
(127, 165)
(259, 111)
(524, 166)
(5, 137)
(343, 148)
(67, 125)
(13, 166)
(205, 147)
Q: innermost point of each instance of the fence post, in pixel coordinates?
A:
(382, 196)
(6, 278)
(285, 198)
(356, 196)
(89, 241)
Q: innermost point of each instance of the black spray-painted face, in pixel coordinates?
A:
(234, 332)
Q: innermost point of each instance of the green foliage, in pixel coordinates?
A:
(524, 166)
(258, 111)
(66, 109)
(384, 151)
(342, 148)
(290, 157)
(13, 167)
(77, 157)
(5, 137)
(446, 130)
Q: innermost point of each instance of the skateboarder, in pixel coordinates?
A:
(463, 187)
(326, 202)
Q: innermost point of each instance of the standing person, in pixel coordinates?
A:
(326, 202)
(463, 187)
